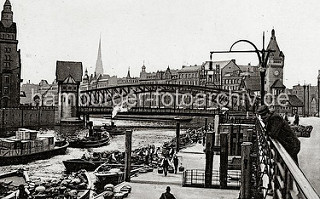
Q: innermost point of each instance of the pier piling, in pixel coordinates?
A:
(128, 146)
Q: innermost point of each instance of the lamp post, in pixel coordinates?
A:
(263, 56)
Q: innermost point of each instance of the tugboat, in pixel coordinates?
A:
(27, 146)
(97, 137)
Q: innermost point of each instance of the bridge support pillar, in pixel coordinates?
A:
(128, 144)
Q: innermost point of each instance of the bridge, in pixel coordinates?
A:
(160, 99)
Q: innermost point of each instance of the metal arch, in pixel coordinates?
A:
(146, 87)
(252, 44)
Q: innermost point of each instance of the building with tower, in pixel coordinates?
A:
(10, 60)
(274, 71)
(68, 76)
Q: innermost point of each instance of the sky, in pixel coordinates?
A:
(163, 33)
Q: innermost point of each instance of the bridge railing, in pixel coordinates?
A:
(88, 109)
(276, 174)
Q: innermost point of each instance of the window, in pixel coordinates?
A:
(5, 90)
(7, 57)
(6, 79)
(7, 64)
(7, 50)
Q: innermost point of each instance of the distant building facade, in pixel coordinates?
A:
(10, 61)
(42, 94)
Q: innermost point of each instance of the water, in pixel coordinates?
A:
(54, 168)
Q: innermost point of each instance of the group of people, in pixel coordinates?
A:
(166, 162)
(295, 118)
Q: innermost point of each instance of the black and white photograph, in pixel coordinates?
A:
(149, 99)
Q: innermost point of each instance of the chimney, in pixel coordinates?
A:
(233, 60)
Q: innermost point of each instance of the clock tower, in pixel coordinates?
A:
(274, 70)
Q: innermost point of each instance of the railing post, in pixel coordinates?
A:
(217, 130)
(223, 159)
(245, 188)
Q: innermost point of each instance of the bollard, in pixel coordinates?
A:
(245, 188)
(127, 165)
(223, 159)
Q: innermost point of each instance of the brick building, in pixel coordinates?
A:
(10, 63)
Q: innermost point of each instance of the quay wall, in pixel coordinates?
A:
(31, 117)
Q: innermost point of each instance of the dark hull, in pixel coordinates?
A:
(23, 159)
(88, 143)
(116, 131)
(104, 178)
(78, 164)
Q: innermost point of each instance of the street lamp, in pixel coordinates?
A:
(263, 56)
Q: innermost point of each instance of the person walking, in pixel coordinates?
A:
(167, 194)
(278, 129)
(165, 165)
(296, 119)
(175, 163)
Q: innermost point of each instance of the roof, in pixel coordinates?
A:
(295, 101)
(214, 63)
(64, 69)
(190, 68)
(273, 45)
(252, 83)
(278, 84)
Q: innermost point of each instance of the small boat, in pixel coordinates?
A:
(121, 190)
(76, 185)
(9, 183)
(97, 137)
(112, 174)
(26, 147)
(73, 165)
(302, 131)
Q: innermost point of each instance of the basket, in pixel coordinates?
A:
(160, 170)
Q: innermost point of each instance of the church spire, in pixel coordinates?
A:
(7, 14)
(128, 75)
(99, 66)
